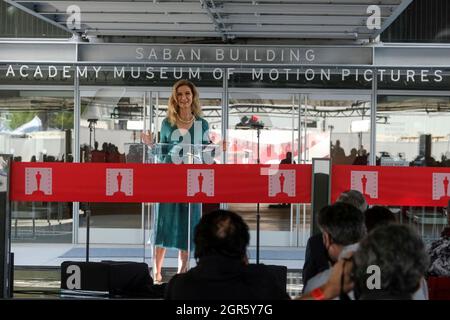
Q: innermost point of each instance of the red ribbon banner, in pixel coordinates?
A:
(107, 182)
(401, 186)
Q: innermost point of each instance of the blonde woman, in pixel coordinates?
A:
(183, 125)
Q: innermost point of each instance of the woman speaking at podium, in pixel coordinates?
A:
(179, 127)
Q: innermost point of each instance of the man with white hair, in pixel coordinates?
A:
(316, 256)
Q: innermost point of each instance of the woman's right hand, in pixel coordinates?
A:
(147, 137)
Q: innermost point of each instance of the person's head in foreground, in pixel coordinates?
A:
(342, 224)
(222, 233)
(378, 216)
(398, 253)
(355, 198)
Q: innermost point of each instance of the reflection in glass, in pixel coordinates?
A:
(37, 126)
(263, 128)
(112, 120)
(346, 120)
(413, 131)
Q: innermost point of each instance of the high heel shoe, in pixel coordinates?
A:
(157, 278)
(183, 270)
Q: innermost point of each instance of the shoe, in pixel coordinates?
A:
(157, 279)
(182, 270)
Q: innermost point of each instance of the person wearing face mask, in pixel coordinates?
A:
(342, 227)
(316, 256)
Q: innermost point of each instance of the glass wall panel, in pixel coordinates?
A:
(110, 126)
(263, 127)
(37, 126)
(337, 125)
(414, 131)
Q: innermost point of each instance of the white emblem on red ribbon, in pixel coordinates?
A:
(281, 183)
(441, 185)
(119, 182)
(38, 181)
(365, 182)
(200, 182)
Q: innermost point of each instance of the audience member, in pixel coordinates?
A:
(337, 153)
(378, 216)
(288, 159)
(222, 271)
(381, 216)
(399, 253)
(352, 156)
(342, 226)
(439, 253)
(355, 198)
(362, 158)
(97, 155)
(316, 256)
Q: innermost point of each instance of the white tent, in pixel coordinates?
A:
(33, 125)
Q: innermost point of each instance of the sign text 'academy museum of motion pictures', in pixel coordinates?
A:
(189, 62)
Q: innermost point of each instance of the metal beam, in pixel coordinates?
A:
(154, 27)
(295, 28)
(296, 19)
(400, 8)
(310, 9)
(116, 32)
(282, 2)
(299, 35)
(118, 6)
(219, 25)
(150, 27)
(134, 17)
(37, 15)
(141, 17)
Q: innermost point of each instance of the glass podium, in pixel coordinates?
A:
(177, 154)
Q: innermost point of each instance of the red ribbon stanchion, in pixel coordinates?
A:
(110, 182)
(400, 186)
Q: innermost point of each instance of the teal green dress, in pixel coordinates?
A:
(171, 219)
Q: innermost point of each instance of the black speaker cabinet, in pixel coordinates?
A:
(425, 145)
(126, 279)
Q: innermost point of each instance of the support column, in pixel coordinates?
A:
(6, 258)
(321, 189)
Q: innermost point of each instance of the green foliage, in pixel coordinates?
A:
(61, 120)
(56, 120)
(20, 118)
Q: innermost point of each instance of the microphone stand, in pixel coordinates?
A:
(258, 126)
(92, 123)
(258, 216)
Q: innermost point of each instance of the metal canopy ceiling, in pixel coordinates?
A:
(231, 19)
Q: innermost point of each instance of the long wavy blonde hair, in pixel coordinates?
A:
(173, 107)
